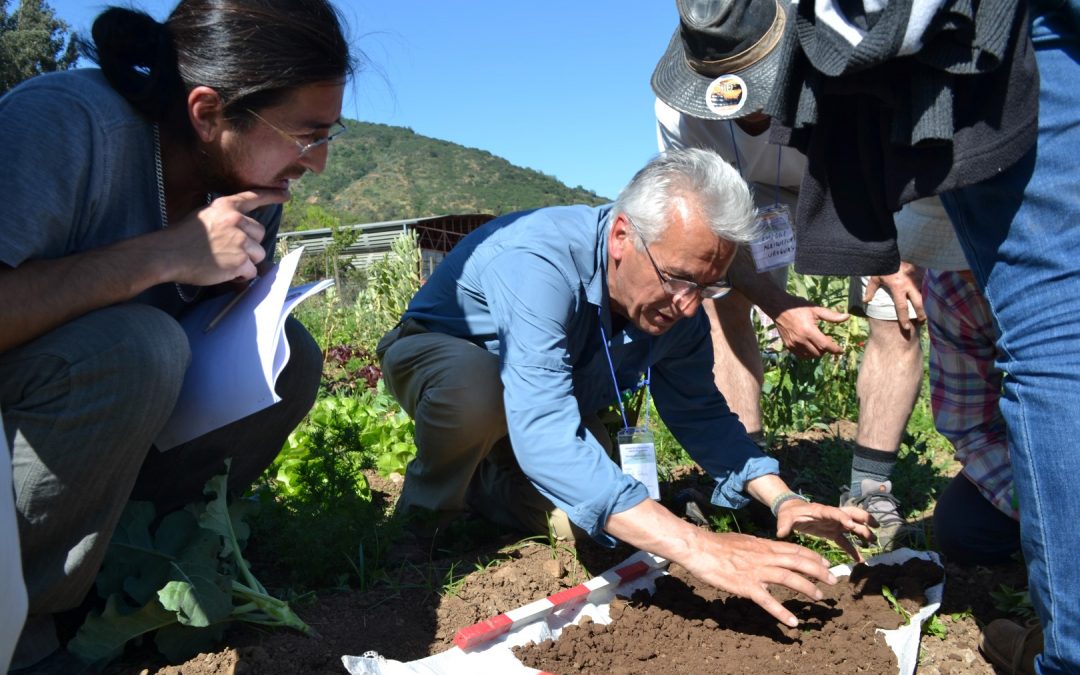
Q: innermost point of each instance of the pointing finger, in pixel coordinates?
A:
(249, 200)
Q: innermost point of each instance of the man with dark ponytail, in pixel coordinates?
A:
(130, 192)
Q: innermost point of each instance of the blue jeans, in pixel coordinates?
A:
(1021, 234)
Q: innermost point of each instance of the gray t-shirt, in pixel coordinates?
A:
(79, 174)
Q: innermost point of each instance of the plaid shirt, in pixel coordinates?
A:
(965, 385)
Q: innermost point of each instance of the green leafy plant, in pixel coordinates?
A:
(368, 430)
(325, 449)
(895, 604)
(936, 627)
(390, 283)
(183, 579)
(315, 491)
(725, 520)
(315, 497)
(388, 431)
(1014, 601)
(801, 392)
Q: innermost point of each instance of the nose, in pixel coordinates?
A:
(687, 304)
(315, 159)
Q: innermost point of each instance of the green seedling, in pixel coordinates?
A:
(1016, 602)
(451, 583)
(823, 547)
(725, 521)
(936, 627)
(895, 604)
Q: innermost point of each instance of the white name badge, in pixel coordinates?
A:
(776, 248)
(637, 455)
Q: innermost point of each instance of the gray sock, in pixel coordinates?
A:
(876, 465)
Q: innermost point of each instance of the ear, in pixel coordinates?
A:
(206, 113)
(620, 238)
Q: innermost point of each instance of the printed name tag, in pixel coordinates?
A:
(637, 455)
(776, 248)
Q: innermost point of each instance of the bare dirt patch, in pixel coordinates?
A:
(413, 611)
(689, 627)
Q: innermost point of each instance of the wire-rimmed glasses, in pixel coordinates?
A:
(682, 289)
(336, 129)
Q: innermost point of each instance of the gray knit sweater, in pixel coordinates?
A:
(903, 101)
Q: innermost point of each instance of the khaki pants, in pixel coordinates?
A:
(451, 388)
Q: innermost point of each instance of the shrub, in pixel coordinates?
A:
(391, 282)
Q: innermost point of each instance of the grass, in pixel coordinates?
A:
(451, 583)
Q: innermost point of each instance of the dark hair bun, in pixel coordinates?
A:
(135, 54)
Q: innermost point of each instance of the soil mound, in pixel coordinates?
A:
(689, 627)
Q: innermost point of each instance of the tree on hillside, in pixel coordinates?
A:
(32, 41)
(300, 216)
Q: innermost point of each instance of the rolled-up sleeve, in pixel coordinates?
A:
(699, 418)
(532, 302)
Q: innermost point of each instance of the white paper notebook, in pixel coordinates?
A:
(235, 366)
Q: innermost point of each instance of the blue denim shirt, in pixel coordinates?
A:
(527, 287)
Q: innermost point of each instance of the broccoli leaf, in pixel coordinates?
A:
(182, 574)
(198, 601)
(131, 556)
(103, 635)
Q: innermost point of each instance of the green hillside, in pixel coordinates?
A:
(378, 172)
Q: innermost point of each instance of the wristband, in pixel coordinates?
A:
(784, 497)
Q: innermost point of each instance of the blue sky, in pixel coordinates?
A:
(560, 86)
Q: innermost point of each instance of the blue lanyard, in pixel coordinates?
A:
(615, 382)
(738, 164)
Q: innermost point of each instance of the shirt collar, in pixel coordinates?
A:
(596, 288)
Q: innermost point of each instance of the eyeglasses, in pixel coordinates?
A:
(682, 289)
(336, 129)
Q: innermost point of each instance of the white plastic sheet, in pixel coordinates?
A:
(496, 658)
(12, 588)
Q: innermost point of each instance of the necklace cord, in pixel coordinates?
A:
(160, 174)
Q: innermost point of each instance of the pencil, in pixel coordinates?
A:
(228, 306)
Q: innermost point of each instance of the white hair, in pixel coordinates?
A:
(701, 180)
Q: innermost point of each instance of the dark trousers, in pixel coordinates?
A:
(82, 405)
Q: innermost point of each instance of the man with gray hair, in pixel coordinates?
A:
(540, 319)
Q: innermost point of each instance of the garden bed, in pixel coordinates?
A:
(689, 627)
(413, 611)
(412, 620)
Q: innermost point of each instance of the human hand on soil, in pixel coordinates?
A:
(828, 522)
(737, 563)
(746, 566)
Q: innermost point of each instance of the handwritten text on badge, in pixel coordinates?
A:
(776, 247)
